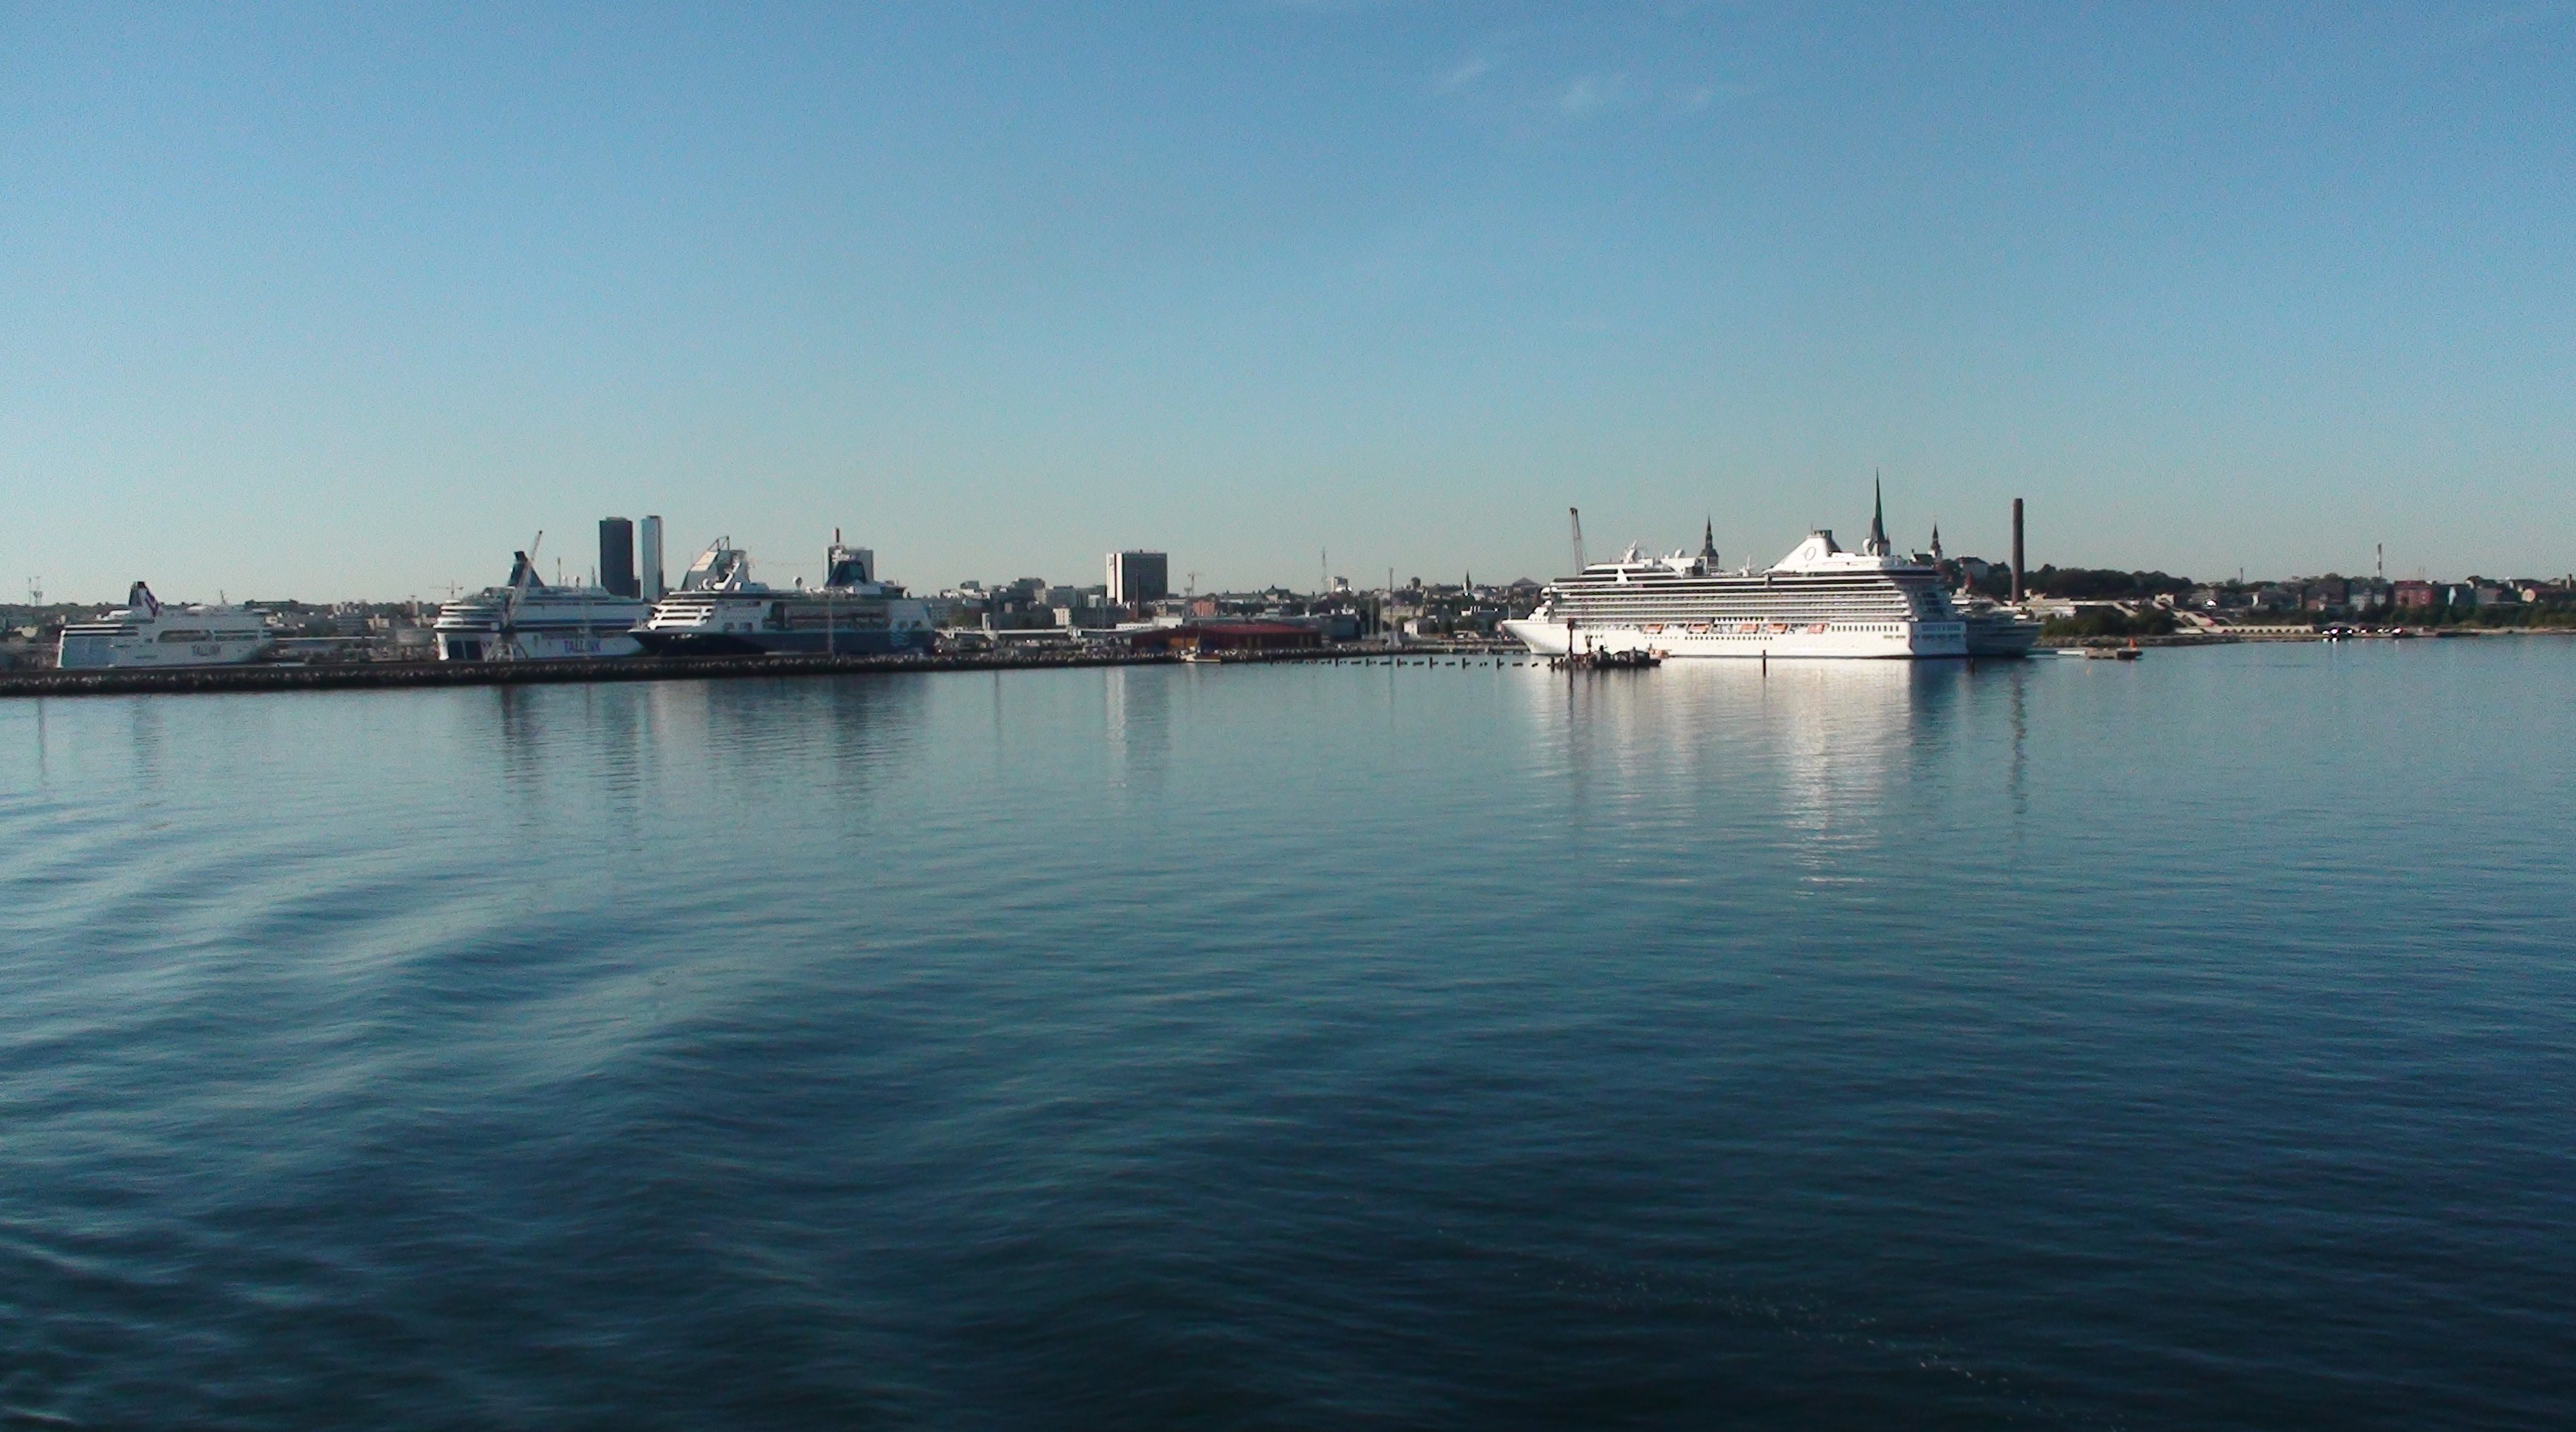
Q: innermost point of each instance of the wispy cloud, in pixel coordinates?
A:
(1700, 97)
(1469, 71)
(1593, 93)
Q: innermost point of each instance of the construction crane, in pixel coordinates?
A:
(1575, 516)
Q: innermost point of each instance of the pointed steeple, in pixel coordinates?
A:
(1877, 544)
(1936, 541)
(1708, 543)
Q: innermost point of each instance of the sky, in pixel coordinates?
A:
(350, 301)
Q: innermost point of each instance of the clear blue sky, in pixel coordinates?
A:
(349, 301)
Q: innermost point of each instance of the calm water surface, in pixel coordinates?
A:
(2071, 1044)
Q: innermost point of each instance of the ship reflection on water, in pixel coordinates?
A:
(1894, 1043)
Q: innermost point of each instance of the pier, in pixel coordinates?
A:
(364, 675)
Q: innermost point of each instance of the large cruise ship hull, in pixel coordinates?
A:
(1888, 641)
(780, 643)
(81, 651)
(487, 644)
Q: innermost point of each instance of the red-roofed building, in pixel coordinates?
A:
(1248, 636)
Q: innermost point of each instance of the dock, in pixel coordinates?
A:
(380, 675)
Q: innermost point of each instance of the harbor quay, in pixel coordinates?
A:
(391, 675)
(346, 676)
(623, 621)
(387, 675)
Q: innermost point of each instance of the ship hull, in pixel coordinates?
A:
(80, 652)
(2001, 638)
(777, 643)
(1835, 641)
(534, 646)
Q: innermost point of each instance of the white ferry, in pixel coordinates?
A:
(143, 632)
(526, 620)
(1993, 628)
(1819, 601)
(720, 611)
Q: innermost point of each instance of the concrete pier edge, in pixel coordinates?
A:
(387, 675)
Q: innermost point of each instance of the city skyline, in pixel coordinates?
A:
(312, 302)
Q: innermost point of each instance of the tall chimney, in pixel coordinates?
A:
(2016, 595)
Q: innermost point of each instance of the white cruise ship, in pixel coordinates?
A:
(720, 611)
(143, 632)
(1819, 601)
(526, 620)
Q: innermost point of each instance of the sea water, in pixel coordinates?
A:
(2188, 1043)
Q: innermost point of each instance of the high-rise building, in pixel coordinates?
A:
(649, 575)
(617, 556)
(1139, 577)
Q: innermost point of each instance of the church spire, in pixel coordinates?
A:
(1936, 540)
(1877, 546)
(1708, 543)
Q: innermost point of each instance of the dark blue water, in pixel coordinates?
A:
(2185, 1044)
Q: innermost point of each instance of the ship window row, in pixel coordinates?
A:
(1652, 610)
(1839, 623)
(1811, 581)
(1878, 594)
(1671, 594)
(1875, 601)
(1775, 579)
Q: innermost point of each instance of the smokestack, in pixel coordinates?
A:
(2017, 558)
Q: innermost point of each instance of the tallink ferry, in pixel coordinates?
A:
(146, 633)
(718, 610)
(527, 620)
(1818, 601)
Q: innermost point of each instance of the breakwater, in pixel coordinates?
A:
(361, 675)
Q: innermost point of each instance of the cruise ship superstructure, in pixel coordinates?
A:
(527, 620)
(719, 610)
(1818, 601)
(144, 632)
